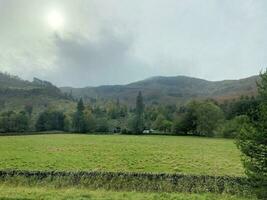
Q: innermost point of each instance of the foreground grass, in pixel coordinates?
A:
(8, 192)
(190, 155)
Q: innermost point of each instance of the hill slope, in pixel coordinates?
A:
(169, 90)
(16, 93)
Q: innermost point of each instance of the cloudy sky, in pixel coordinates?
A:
(94, 42)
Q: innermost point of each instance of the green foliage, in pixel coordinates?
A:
(51, 120)
(14, 122)
(244, 106)
(179, 126)
(232, 128)
(102, 125)
(89, 120)
(209, 116)
(116, 110)
(199, 118)
(262, 86)
(138, 121)
(194, 118)
(80, 106)
(78, 120)
(28, 109)
(252, 142)
(139, 104)
(67, 123)
(162, 124)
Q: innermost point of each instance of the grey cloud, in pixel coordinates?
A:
(82, 61)
(119, 41)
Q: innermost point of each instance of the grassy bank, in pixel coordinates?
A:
(189, 155)
(9, 192)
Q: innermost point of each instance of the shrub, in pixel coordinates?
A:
(231, 128)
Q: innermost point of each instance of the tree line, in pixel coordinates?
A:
(201, 118)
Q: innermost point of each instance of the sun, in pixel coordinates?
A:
(55, 20)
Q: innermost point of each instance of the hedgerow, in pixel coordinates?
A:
(118, 181)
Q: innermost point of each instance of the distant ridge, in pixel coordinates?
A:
(169, 90)
(16, 92)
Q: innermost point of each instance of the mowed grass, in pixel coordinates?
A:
(8, 193)
(168, 154)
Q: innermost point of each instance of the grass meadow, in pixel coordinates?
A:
(120, 153)
(123, 167)
(46, 193)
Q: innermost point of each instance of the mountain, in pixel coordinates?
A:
(168, 90)
(16, 93)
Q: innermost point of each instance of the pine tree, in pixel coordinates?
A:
(79, 124)
(252, 142)
(138, 124)
(139, 105)
(80, 106)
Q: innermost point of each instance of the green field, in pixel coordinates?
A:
(189, 155)
(83, 194)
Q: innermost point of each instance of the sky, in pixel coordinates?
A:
(98, 42)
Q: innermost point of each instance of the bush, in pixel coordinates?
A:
(232, 128)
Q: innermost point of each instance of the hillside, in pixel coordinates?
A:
(16, 93)
(169, 90)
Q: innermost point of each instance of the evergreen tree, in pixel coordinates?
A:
(138, 123)
(252, 142)
(79, 123)
(139, 104)
(80, 106)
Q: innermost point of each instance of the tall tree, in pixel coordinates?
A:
(209, 116)
(79, 123)
(139, 104)
(138, 124)
(252, 142)
(80, 106)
